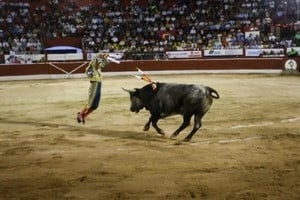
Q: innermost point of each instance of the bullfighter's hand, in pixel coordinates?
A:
(103, 55)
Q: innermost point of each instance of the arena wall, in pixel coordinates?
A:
(73, 68)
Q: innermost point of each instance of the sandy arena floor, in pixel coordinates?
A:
(248, 147)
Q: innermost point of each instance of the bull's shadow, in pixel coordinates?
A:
(133, 135)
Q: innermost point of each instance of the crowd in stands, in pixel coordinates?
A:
(150, 25)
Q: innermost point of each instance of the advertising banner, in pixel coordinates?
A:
(183, 54)
(274, 52)
(223, 52)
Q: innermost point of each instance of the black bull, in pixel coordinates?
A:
(169, 99)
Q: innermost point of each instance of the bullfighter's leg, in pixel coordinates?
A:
(147, 125)
(186, 122)
(154, 124)
(197, 125)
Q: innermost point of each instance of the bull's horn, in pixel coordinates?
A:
(126, 90)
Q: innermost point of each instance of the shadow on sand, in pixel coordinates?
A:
(134, 135)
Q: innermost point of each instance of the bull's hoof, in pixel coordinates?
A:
(173, 135)
(187, 139)
(162, 133)
(146, 128)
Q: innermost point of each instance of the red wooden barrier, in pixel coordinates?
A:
(197, 64)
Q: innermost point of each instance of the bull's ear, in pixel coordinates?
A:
(126, 90)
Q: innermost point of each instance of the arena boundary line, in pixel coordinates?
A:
(129, 73)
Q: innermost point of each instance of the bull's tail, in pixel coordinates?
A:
(212, 92)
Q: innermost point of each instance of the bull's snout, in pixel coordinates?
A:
(134, 110)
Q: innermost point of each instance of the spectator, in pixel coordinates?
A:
(297, 39)
(153, 24)
(2, 58)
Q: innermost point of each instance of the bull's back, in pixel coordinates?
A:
(175, 98)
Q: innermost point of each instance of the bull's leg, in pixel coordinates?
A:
(147, 125)
(186, 122)
(154, 124)
(197, 125)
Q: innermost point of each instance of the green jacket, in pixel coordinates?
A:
(93, 70)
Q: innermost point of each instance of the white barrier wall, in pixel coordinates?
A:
(34, 58)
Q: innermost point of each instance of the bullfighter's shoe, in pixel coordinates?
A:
(79, 117)
(83, 118)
